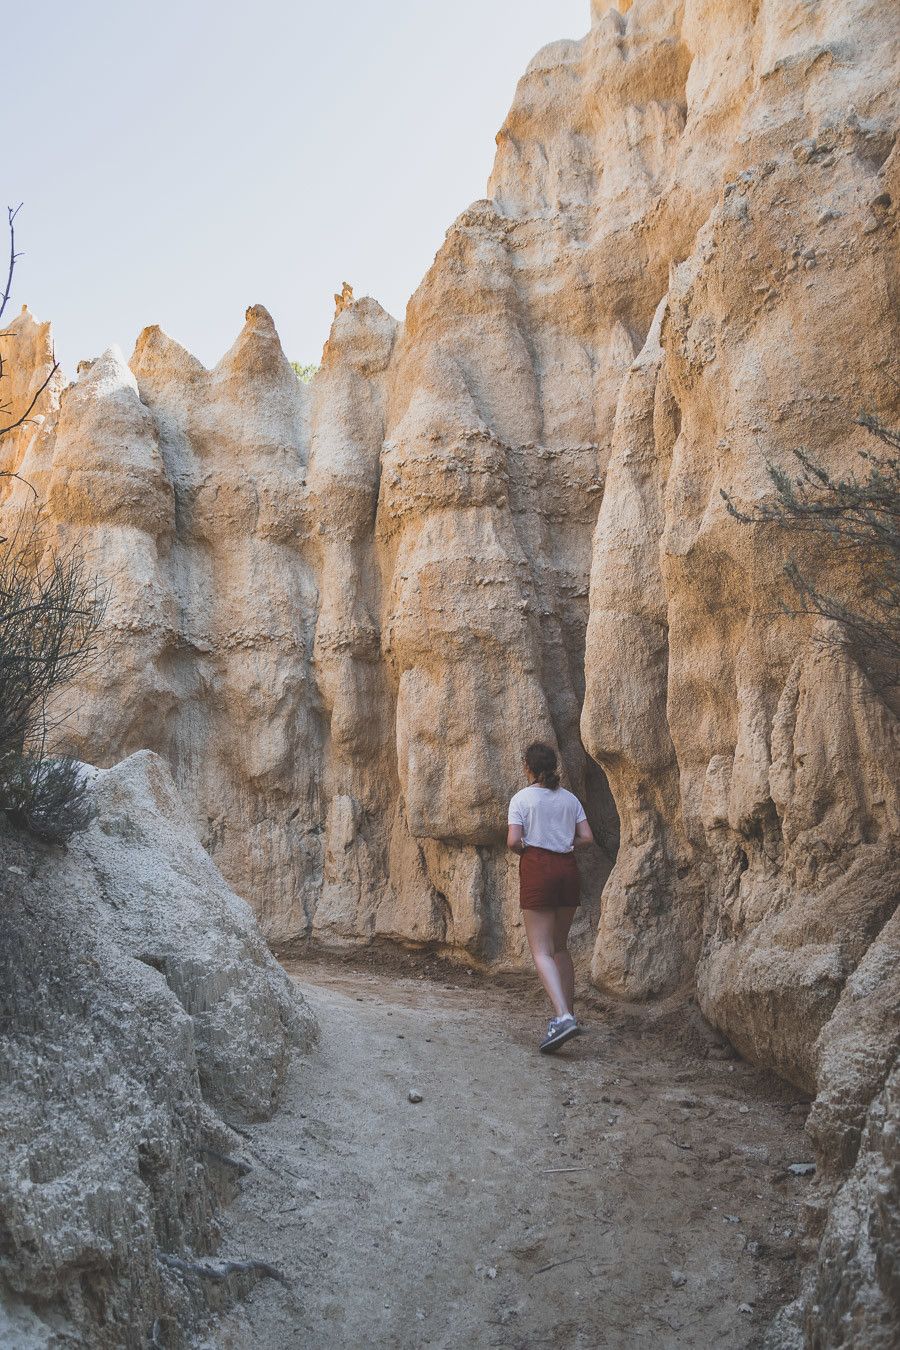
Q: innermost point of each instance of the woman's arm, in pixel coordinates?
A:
(583, 835)
(515, 838)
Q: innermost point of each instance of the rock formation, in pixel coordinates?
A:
(340, 610)
(143, 1016)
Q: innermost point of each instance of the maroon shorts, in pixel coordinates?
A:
(548, 880)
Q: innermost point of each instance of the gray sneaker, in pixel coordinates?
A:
(559, 1030)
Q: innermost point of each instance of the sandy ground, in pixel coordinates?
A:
(630, 1191)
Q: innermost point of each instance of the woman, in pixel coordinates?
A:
(546, 825)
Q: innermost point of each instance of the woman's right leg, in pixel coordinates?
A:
(562, 956)
(540, 929)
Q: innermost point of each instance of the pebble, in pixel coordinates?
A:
(679, 1279)
(414, 1096)
(744, 1110)
(16, 871)
(804, 1169)
(745, 1307)
(732, 1218)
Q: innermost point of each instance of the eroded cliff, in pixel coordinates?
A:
(340, 610)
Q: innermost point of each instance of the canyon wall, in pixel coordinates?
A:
(340, 610)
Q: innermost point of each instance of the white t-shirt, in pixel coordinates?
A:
(548, 816)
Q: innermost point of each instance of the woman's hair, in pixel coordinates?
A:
(541, 760)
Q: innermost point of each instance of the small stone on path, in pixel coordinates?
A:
(679, 1279)
(804, 1169)
(414, 1096)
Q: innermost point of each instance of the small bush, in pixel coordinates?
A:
(50, 610)
(47, 798)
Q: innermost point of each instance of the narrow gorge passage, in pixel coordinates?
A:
(526, 1201)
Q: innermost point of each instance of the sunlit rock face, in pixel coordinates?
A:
(339, 610)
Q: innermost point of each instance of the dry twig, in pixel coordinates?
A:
(220, 1270)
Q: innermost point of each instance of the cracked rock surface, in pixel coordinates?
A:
(142, 1017)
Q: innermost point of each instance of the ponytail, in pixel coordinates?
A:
(541, 761)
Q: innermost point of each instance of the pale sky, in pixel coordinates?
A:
(181, 160)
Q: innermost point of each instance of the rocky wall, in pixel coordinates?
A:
(143, 1017)
(339, 611)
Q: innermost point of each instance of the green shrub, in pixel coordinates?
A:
(304, 373)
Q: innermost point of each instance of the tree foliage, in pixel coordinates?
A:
(857, 515)
(304, 373)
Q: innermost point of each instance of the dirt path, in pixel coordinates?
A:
(527, 1201)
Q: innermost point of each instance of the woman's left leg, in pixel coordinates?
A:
(562, 922)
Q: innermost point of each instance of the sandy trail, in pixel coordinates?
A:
(527, 1201)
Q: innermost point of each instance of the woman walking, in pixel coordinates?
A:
(546, 825)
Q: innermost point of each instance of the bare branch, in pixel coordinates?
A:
(11, 212)
(25, 415)
(50, 611)
(219, 1270)
(859, 517)
(51, 608)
